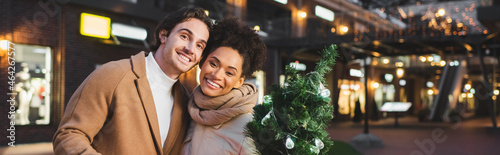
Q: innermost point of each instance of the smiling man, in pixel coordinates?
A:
(137, 105)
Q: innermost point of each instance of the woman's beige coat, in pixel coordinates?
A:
(225, 139)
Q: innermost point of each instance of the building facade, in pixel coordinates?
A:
(46, 52)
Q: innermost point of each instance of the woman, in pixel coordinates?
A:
(223, 103)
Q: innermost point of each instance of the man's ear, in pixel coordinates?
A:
(240, 82)
(163, 36)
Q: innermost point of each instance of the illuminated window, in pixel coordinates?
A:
(33, 84)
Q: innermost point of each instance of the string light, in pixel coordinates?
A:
(440, 12)
(459, 22)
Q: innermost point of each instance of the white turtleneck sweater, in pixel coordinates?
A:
(161, 87)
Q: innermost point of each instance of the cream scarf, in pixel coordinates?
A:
(206, 110)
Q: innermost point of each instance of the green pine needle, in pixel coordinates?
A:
(297, 110)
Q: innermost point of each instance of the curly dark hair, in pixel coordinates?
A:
(232, 33)
(179, 16)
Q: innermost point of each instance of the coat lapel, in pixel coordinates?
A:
(144, 90)
(178, 123)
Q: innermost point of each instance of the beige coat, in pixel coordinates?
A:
(113, 112)
(225, 139)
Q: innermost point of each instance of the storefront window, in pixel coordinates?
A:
(32, 89)
(351, 92)
(384, 93)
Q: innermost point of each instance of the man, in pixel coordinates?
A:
(137, 105)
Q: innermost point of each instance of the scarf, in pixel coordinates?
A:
(206, 110)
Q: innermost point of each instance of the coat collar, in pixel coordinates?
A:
(139, 68)
(178, 111)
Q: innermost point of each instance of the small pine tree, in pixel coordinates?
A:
(293, 117)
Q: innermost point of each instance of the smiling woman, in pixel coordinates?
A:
(221, 72)
(223, 103)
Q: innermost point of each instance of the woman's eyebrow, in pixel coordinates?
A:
(218, 61)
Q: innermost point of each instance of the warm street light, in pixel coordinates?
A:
(345, 29)
(302, 14)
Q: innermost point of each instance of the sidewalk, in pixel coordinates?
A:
(469, 137)
(28, 149)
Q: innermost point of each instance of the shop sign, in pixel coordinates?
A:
(395, 106)
(356, 73)
(128, 31)
(95, 26)
(324, 13)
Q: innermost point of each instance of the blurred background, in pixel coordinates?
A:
(438, 59)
